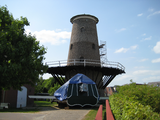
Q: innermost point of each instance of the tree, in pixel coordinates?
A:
(53, 89)
(50, 85)
(39, 86)
(46, 86)
(21, 56)
(42, 86)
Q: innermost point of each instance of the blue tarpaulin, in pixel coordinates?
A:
(61, 93)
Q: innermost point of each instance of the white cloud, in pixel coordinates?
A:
(150, 9)
(134, 47)
(124, 76)
(54, 37)
(146, 72)
(139, 76)
(143, 60)
(156, 48)
(151, 79)
(140, 14)
(121, 79)
(46, 76)
(120, 30)
(124, 50)
(141, 72)
(147, 38)
(139, 67)
(144, 34)
(155, 13)
(156, 60)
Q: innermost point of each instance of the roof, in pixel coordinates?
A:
(84, 16)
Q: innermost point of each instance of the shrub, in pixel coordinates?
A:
(128, 109)
(136, 102)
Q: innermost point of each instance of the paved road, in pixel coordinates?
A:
(47, 114)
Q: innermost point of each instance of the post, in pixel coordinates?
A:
(109, 115)
(99, 113)
(74, 62)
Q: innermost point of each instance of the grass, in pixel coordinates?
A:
(92, 114)
(38, 104)
(44, 104)
(20, 110)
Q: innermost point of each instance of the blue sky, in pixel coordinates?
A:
(131, 29)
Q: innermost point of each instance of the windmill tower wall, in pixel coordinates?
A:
(84, 40)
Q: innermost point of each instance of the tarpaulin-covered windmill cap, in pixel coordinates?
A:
(61, 93)
(80, 78)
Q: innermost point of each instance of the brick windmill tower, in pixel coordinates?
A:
(85, 56)
(84, 40)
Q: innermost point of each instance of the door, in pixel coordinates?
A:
(22, 97)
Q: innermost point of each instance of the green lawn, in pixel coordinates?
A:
(36, 108)
(92, 114)
(44, 104)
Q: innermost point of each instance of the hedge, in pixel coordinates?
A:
(136, 102)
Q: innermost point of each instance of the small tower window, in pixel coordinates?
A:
(71, 47)
(93, 46)
(82, 28)
(81, 59)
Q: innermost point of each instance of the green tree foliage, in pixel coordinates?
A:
(136, 102)
(21, 56)
(48, 85)
(39, 86)
(53, 89)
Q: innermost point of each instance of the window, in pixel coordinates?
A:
(93, 46)
(71, 47)
(81, 59)
(82, 28)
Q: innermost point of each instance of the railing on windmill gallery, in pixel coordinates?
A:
(85, 62)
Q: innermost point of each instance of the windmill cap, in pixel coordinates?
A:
(84, 16)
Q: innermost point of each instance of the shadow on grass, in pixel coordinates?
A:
(38, 106)
(20, 110)
(104, 117)
(41, 106)
(46, 105)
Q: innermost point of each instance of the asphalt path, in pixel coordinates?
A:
(47, 114)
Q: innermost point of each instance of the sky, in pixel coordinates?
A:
(131, 29)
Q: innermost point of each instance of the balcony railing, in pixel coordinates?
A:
(85, 62)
